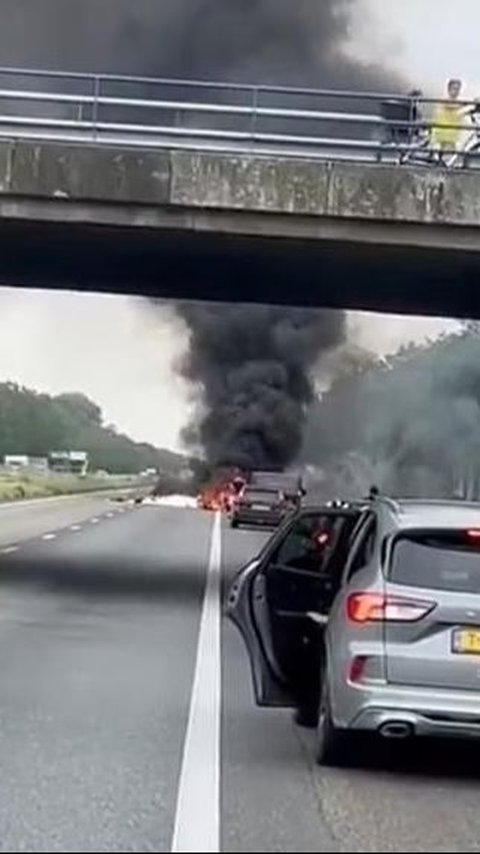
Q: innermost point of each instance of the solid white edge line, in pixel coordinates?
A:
(197, 814)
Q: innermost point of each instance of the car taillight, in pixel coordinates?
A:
(375, 607)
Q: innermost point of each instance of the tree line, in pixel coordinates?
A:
(34, 423)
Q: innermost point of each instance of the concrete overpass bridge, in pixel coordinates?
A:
(222, 218)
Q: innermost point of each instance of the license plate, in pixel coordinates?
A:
(258, 507)
(466, 642)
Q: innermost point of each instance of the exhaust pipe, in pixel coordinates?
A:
(396, 729)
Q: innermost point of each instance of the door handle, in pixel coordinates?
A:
(319, 619)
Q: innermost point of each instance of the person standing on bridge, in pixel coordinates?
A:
(448, 119)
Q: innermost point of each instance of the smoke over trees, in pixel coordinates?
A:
(411, 424)
(252, 364)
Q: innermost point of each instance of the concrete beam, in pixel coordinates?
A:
(217, 181)
(243, 227)
(313, 188)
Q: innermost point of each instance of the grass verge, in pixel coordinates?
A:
(18, 488)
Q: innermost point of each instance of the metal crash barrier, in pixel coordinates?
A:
(152, 113)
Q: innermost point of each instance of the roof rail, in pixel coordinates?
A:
(376, 496)
(392, 503)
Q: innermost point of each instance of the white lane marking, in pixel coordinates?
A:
(94, 521)
(8, 550)
(75, 528)
(110, 515)
(49, 536)
(197, 814)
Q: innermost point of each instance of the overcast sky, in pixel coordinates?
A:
(115, 350)
(120, 354)
(430, 40)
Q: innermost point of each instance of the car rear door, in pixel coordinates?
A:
(355, 647)
(272, 598)
(432, 634)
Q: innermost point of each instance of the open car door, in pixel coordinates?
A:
(281, 600)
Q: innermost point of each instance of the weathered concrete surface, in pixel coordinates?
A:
(221, 182)
(353, 191)
(251, 184)
(84, 173)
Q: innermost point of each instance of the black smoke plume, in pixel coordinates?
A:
(281, 41)
(253, 364)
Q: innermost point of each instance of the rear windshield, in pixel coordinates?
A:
(278, 483)
(261, 495)
(438, 562)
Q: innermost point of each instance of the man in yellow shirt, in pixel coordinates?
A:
(448, 119)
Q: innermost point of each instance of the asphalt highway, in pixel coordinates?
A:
(22, 520)
(127, 721)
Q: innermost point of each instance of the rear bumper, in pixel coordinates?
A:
(373, 720)
(426, 712)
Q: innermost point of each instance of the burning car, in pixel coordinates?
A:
(255, 497)
(222, 492)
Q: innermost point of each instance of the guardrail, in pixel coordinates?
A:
(151, 113)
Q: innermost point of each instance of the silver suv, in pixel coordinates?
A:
(367, 619)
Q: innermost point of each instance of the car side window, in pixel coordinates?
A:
(362, 549)
(298, 544)
(311, 543)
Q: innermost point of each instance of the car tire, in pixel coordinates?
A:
(234, 523)
(332, 744)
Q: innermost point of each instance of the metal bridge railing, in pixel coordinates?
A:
(151, 113)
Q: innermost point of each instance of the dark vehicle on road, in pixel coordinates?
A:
(289, 484)
(367, 619)
(259, 506)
